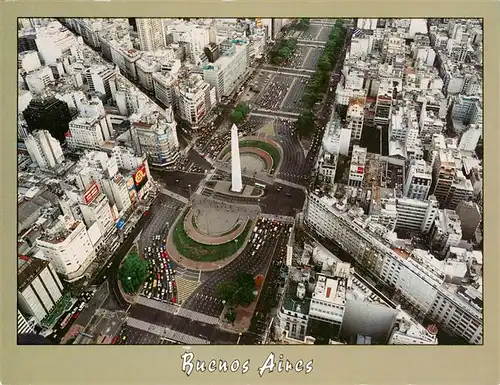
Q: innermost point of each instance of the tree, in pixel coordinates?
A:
(243, 108)
(231, 316)
(238, 291)
(236, 116)
(324, 64)
(244, 296)
(305, 124)
(245, 280)
(225, 290)
(133, 273)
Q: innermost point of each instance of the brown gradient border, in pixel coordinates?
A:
(332, 364)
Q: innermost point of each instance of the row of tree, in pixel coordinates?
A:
(283, 51)
(240, 113)
(320, 81)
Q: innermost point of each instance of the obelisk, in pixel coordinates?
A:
(236, 184)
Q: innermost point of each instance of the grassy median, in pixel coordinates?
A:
(196, 251)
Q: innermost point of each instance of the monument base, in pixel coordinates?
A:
(235, 191)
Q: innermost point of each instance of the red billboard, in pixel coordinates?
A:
(140, 178)
(91, 193)
(360, 170)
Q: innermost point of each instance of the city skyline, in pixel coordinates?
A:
(251, 181)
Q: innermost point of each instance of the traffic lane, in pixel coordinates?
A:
(198, 160)
(293, 99)
(250, 260)
(268, 296)
(180, 182)
(179, 323)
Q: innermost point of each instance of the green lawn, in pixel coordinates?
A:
(264, 146)
(196, 251)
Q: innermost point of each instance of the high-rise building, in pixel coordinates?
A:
(418, 181)
(164, 86)
(443, 175)
(54, 41)
(38, 287)
(212, 52)
(355, 117)
(195, 99)
(68, 247)
(99, 211)
(151, 33)
(38, 80)
(416, 215)
(48, 113)
(44, 149)
(447, 231)
(470, 138)
(383, 105)
(357, 168)
(28, 60)
(470, 217)
(98, 79)
(88, 132)
(155, 136)
(227, 73)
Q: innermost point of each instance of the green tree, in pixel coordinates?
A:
(305, 124)
(324, 64)
(237, 116)
(244, 296)
(245, 280)
(133, 273)
(230, 316)
(225, 291)
(243, 108)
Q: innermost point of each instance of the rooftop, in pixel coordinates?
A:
(28, 270)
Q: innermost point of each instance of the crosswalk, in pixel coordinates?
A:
(169, 308)
(185, 287)
(165, 332)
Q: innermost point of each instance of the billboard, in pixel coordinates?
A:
(91, 193)
(132, 193)
(140, 178)
(120, 224)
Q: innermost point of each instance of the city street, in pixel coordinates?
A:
(179, 182)
(252, 260)
(268, 297)
(178, 323)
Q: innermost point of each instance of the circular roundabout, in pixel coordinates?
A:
(207, 232)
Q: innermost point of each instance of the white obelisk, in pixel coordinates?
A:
(236, 184)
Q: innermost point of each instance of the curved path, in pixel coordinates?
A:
(206, 239)
(180, 260)
(257, 151)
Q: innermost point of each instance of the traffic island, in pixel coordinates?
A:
(132, 273)
(210, 254)
(267, 150)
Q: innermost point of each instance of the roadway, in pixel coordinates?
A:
(182, 324)
(250, 260)
(268, 297)
(180, 182)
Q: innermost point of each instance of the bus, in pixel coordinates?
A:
(260, 185)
